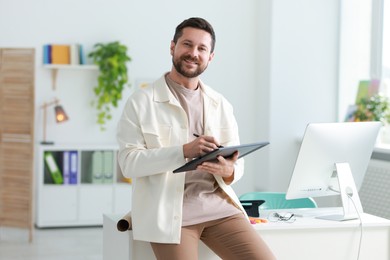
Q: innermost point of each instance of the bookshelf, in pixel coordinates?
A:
(92, 185)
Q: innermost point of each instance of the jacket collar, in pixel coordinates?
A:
(212, 100)
(161, 93)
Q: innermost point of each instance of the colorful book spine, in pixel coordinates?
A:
(50, 55)
(74, 54)
(53, 168)
(64, 54)
(73, 167)
(46, 54)
(82, 55)
(60, 54)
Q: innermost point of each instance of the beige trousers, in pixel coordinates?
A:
(231, 238)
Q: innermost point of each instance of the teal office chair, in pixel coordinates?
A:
(272, 200)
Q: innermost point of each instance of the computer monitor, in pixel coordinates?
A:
(333, 159)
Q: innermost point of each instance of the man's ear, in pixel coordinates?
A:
(211, 57)
(172, 48)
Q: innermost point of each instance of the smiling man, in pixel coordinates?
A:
(174, 120)
(191, 51)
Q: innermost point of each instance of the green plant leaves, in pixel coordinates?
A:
(112, 60)
(375, 108)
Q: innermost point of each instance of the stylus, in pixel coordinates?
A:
(219, 146)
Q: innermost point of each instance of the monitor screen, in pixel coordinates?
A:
(327, 149)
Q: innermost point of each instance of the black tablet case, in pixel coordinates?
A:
(226, 152)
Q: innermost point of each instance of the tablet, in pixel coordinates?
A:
(226, 152)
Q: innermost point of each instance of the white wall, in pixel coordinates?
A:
(302, 79)
(276, 61)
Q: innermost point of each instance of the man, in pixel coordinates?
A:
(174, 120)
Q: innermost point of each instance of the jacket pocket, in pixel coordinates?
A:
(224, 135)
(156, 135)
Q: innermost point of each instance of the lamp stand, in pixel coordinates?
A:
(44, 107)
(60, 117)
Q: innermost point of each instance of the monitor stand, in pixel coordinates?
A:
(352, 206)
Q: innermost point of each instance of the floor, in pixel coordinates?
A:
(52, 244)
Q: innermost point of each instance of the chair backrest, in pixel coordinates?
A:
(277, 200)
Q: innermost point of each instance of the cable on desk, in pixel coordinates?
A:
(360, 225)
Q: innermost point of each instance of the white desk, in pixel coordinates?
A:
(306, 238)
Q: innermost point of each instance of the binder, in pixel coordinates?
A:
(73, 167)
(108, 169)
(97, 167)
(66, 167)
(54, 170)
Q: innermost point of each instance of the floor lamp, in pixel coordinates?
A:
(60, 115)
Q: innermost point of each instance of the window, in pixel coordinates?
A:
(380, 39)
(385, 53)
(364, 48)
(354, 52)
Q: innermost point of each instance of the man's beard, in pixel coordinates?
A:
(180, 68)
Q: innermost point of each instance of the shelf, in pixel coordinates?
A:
(97, 187)
(71, 67)
(55, 67)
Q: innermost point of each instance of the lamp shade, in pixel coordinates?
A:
(61, 116)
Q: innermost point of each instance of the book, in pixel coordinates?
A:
(66, 166)
(108, 169)
(60, 54)
(82, 55)
(73, 167)
(47, 54)
(97, 167)
(367, 89)
(350, 115)
(54, 170)
(74, 54)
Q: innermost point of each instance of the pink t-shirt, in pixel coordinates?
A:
(203, 199)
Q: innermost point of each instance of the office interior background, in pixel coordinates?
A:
(282, 64)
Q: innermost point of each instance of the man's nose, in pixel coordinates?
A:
(194, 52)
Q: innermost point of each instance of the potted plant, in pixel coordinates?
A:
(375, 108)
(112, 60)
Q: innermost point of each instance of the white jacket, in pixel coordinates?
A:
(151, 134)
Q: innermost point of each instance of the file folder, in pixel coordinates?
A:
(66, 167)
(53, 168)
(97, 167)
(73, 167)
(108, 167)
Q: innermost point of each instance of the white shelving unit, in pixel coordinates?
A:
(84, 202)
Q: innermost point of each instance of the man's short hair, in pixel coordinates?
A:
(198, 23)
